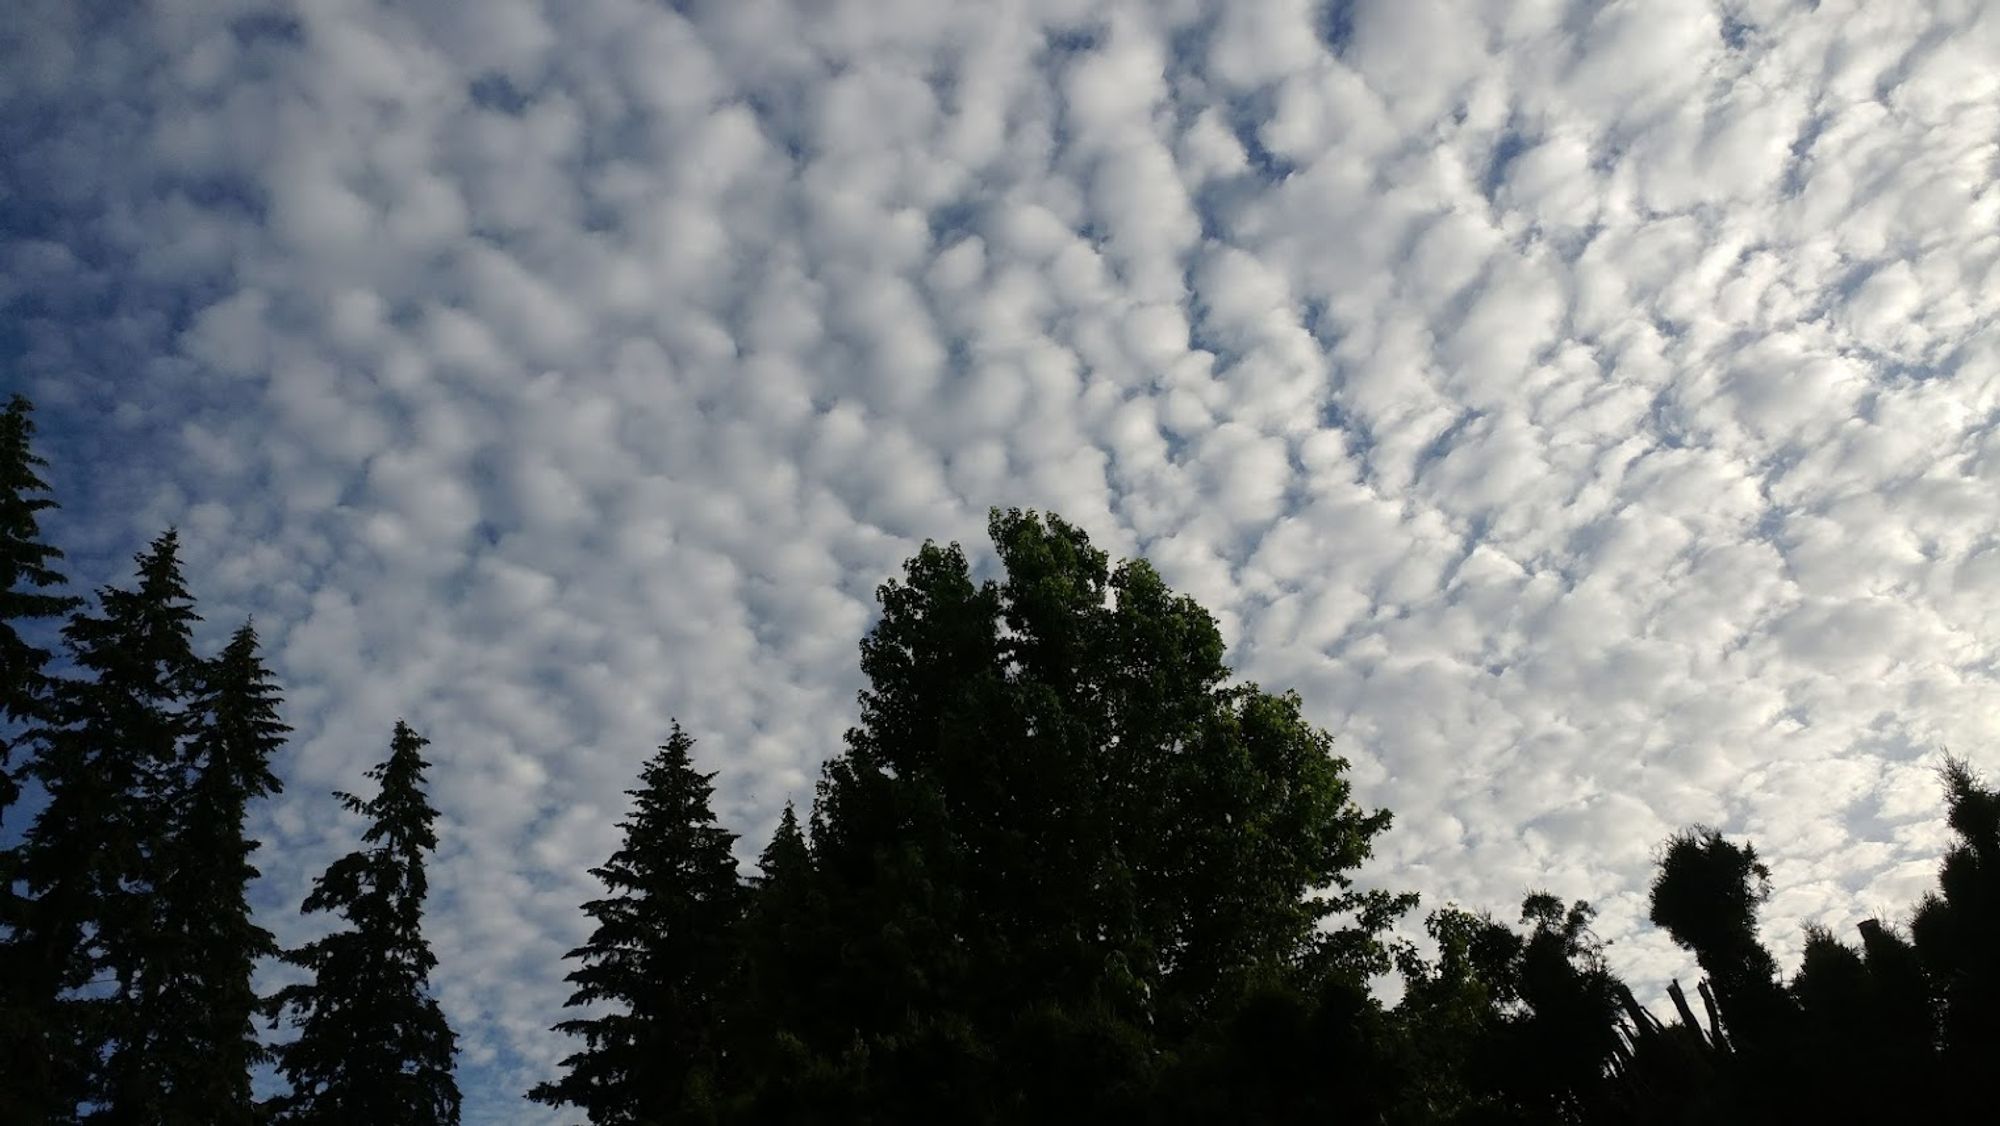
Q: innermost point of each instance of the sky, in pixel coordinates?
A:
(1591, 407)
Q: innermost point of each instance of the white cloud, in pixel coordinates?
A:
(1590, 413)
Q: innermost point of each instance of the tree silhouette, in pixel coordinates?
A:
(1706, 896)
(28, 575)
(661, 957)
(203, 892)
(98, 942)
(28, 578)
(1957, 933)
(1056, 824)
(372, 1044)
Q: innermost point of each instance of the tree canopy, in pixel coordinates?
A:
(1064, 867)
(372, 1044)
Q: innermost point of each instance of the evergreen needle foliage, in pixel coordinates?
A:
(103, 940)
(659, 957)
(30, 597)
(29, 590)
(372, 1044)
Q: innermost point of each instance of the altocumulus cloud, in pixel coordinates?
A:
(1590, 407)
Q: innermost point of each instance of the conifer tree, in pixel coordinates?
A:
(661, 957)
(28, 575)
(779, 927)
(372, 1044)
(204, 894)
(780, 1003)
(94, 943)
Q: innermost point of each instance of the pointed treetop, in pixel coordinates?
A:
(245, 728)
(25, 561)
(399, 813)
(787, 853)
(27, 572)
(144, 640)
(373, 1045)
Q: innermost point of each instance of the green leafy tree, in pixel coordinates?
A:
(661, 957)
(372, 1044)
(1055, 813)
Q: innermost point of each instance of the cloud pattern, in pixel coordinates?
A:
(1591, 406)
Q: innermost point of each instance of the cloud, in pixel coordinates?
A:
(1590, 411)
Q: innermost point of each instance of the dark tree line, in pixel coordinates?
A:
(1064, 869)
(127, 944)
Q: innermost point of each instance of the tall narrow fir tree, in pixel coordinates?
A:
(28, 576)
(205, 894)
(97, 943)
(660, 956)
(373, 1046)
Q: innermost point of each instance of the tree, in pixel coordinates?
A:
(372, 1044)
(661, 957)
(1957, 934)
(1706, 896)
(783, 943)
(1511, 1027)
(204, 894)
(1054, 813)
(96, 944)
(1866, 1046)
(27, 576)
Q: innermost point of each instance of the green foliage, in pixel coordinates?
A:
(28, 575)
(372, 1044)
(660, 956)
(1054, 814)
(216, 942)
(101, 945)
(28, 580)
(1706, 896)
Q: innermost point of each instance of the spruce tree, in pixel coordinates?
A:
(781, 928)
(372, 1044)
(95, 945)
(780, 1002)
(28, 574)
(204, 894)
(661, 957)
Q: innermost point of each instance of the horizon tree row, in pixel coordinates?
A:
(1064, 868)
(1065, 871)
(127, 944)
